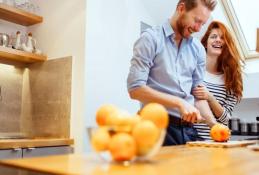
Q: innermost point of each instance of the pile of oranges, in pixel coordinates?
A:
(127, 136)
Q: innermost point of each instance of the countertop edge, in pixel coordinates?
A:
(37, 142)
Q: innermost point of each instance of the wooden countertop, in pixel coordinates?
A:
(37, 142)
(182, 160)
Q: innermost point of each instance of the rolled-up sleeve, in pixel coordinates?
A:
(198, 74)
(142, 61)
(228, 107)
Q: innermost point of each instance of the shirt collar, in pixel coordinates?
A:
(168, 29)
(170, 32)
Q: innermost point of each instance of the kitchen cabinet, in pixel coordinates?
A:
(9, 171)
(24, 18)
(46, 151)
(34, 152)
(11, 153)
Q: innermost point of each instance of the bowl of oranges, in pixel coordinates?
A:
(124, 137)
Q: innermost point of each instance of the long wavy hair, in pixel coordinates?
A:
(229, 62)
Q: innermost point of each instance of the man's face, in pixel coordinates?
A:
(191, 21)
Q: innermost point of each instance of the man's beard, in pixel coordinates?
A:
(180, 26)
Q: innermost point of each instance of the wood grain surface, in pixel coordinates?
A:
(228, 144)
(179, 160)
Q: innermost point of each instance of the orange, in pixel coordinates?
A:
(156, 113)
(122, 147)
(146, 134)
(127, 123)
(117, 118)
(100, 139)
(220, 133)
(122, 121)
(104, 112)
(135, 119)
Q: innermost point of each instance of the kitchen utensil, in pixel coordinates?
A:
(18, 40)
(4, 39)
(30, 44)
(254, 128)
(228, 144)
(244, 128)
(234, 126)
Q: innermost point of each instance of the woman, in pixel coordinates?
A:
(223, 76)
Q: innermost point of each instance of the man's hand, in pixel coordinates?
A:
(200, 92)
(189, 113)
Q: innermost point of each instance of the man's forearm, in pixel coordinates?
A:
(146, 94)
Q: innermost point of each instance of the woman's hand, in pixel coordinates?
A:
(201, 92)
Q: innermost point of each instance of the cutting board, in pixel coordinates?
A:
(228, 144)
(254, 147)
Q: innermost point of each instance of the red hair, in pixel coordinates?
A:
(229, 62)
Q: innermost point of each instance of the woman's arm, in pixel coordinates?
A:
(221, 112)
(206, 113)
(216, 108)
(228, 107)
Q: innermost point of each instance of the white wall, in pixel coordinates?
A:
(159, 10)
(62, 33)
(112, 28)
(247, 109)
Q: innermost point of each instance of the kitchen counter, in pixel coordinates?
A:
(36, 142)
(184, 160)
(244, 137)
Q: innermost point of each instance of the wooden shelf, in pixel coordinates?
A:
(7, 53)
(18, 16)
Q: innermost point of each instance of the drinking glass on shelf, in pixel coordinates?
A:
(9, 2)
(27, 5)
(21, 4)
(37, 10)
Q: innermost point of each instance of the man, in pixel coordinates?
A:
(168, 63)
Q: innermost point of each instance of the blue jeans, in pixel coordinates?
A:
(179, 135)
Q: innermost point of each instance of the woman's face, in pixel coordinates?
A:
(215, 43)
